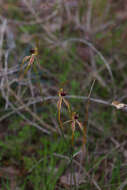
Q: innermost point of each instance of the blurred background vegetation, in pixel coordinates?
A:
(77, 41)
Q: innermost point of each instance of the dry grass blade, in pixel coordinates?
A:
(84, 140)
(86, 114)
(36, 72)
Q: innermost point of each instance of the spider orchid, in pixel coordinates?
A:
(30, 59)
(61, 99)
(74, 120)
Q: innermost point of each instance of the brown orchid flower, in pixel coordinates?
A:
(61, 99)
(30, 59)
(74, 120)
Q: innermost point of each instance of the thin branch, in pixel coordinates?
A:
(89, 15)
(40, 100)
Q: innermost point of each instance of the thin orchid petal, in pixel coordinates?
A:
(31, 60)
(25, 59)
(26, 69)
(67, 122)
(73, 126)
(59, 109)
(68, 105)
(80, 125)
(73, 131)
(37, 60)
